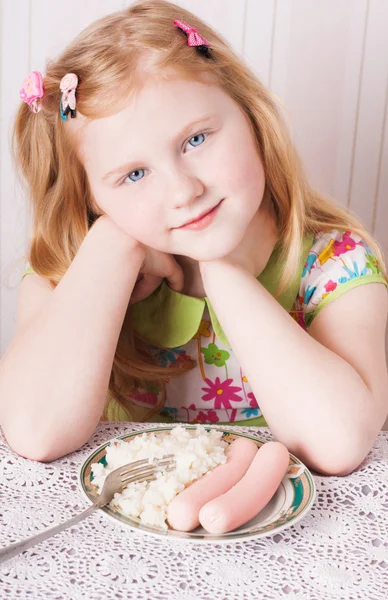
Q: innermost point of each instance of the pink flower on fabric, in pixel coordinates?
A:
(32, 90)
(347, 243)
(223, 393)
(330, 285)
(253, 401)
(209, 417)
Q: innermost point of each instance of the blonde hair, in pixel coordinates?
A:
(111, 57)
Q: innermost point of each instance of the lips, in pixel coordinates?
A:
(199, 217)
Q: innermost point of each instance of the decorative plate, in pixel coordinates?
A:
(290, 503)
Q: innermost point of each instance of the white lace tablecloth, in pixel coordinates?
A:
(338, 551)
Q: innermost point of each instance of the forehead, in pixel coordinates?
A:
(160, 109)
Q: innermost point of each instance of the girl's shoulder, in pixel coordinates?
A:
(338, 260)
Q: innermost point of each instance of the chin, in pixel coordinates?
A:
(213, 251)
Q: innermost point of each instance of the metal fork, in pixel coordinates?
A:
(140, 470)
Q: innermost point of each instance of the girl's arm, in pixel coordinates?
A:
(314, 401)
(55, 373)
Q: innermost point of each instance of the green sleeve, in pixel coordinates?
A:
(28, 271)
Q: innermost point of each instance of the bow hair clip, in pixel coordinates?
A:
(194, 38)
(67, 104)
(32, 90)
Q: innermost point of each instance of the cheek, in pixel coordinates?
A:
(241, 170)
(139, 221)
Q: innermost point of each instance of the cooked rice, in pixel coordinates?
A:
(196, 452)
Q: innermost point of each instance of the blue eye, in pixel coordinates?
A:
(138, 174)
(133, 172)
(199, 136)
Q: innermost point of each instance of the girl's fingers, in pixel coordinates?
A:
(175, 278)
(144, 287)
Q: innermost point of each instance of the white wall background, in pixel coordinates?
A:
(326, 60)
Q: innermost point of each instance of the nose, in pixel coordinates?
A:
(185, 189)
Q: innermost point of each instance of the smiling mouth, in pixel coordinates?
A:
(202, 220)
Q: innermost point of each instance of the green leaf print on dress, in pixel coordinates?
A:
(215, 356)
(372, 263)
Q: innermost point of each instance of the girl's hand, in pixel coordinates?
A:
(256, 247)
(156, 267)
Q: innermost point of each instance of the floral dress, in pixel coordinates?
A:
(181, 328)
(217, 389)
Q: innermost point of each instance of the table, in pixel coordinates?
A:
(338, 551)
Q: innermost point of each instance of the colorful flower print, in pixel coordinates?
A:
(254, 410)
(330, 286)
(252, 400)
(327, 252)
(347, 243)
(203, 330)
(207, 417)
(373, 263)
(353, 274)
(215, 356)
(168, 357)
(223, 393)
(250, 412)
(308, 294)
(341, 257)
(309, 265)
(337, 247)
(188, 409)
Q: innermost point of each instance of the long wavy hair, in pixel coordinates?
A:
(111, 58)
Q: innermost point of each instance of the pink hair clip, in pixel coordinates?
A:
(67, 104)
(32, 90)
(194, 38)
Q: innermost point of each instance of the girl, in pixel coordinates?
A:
(182, 269)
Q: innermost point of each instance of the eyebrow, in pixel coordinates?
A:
(129, 165)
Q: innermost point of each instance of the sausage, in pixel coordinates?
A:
(183, 510)
(251, 494)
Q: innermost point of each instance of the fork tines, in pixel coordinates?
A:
(142, 470)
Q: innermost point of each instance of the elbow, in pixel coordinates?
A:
(33, 451)
(330, 463)
(335, 451)
(36, 456)
(345, 455)
(340, 469)
(42, 441)
(42, 454)
(39, 448)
